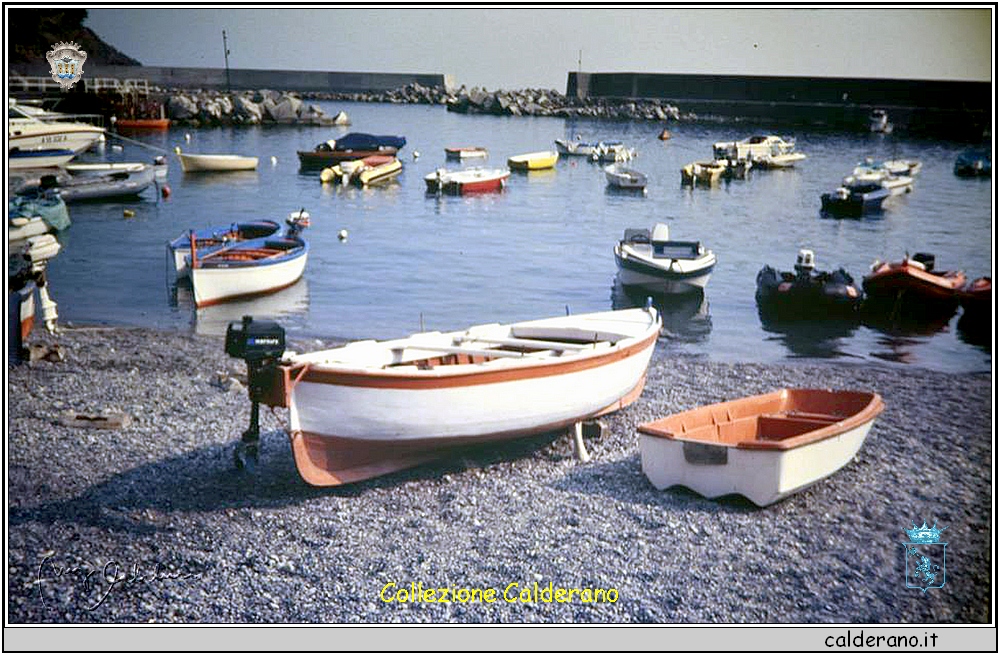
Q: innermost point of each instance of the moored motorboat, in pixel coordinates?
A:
(765, 151)
(911, 286)
(575, 147)
(612, 152)
(705, 173)
(621, 177)
(469, 180)
(974, 162)
(857, 200)
(249, 268)
(347, 171)
(42, 158)
(865, 174)
(806, 294)
(650, 259)
(908, 167)
(764, 447)
(202, 163)
(466, 152)
(878, 122)
(33, 129)
(370, 408)
(533, 161)
(210, 239)
(355, 145)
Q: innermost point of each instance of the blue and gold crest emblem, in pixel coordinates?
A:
(925, 557)
(66, 63)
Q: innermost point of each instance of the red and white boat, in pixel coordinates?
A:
(470, 180)
(249, 268)
(373, 407)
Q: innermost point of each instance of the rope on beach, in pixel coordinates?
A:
(138, 143)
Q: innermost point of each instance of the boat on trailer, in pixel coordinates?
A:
(372, 407)
(764, 448)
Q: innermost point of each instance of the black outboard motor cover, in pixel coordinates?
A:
(255, 341)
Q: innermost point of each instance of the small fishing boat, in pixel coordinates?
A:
(249, 268)
(878, 122)
(624, 178)
(612, 152)
(764, 448)
(372, 174)
(864, 175)
(373, 407)
(466, 152)
(533, 161)
(215, 163)
(470, 180)
(355, 145)
(974, 162)
(857, 200)
(705, 173)
(765, 151)
(210, 239)
(43, 158)
(347, 171)
(911, 286)
(653, 261)
(575, 147)
(143, 123)
(807, 293)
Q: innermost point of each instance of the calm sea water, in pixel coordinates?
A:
(544, 244)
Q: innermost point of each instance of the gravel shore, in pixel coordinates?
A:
(151, 523)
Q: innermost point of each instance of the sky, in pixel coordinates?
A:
(532, 47)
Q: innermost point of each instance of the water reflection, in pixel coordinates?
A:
(975, 329)
(901, 336)
(685, 316)
(213, 320)
(228, 179)
(821, 338)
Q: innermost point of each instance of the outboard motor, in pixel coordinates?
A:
(805, 263)
(260, 344)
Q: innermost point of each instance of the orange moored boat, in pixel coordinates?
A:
(911, 283)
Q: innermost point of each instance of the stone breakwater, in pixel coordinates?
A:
(273, 107)
(151, 523)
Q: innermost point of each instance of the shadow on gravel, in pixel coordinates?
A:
(623, 480)
(206, 480)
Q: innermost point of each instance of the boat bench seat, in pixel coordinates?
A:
(783, 426)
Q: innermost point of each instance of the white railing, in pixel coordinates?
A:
(93, 84)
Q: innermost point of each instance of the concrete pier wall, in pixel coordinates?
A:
(931, 106)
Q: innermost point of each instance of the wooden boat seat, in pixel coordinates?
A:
(775, 427)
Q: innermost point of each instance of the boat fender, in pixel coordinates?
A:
(327, 176)
(128, 213)
(784, 287)
(342, 235)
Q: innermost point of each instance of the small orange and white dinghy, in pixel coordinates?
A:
(762, 447)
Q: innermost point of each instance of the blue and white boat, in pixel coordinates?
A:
(651, 260)
(208, 240)
(856, 200)
(46, 158)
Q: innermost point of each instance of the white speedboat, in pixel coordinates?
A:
(866, 175)
(765, 151)
(653, 261)
(33, 130)
(373, 407)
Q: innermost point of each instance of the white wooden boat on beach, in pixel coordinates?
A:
(373, 407)
(191, 163)
(763, 447)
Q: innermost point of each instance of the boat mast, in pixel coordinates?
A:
(225, 49)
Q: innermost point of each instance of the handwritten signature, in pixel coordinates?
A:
(107, 578)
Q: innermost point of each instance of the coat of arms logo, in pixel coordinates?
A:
(925, 557)
(66, 63)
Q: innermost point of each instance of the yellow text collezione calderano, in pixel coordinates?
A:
(416, 592)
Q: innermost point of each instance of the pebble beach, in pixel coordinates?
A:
(151, 522)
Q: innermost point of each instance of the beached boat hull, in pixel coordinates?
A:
(216, 163)
(764, 448)
(351, 422)
(217, 279)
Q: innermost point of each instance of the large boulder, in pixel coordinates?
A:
(246, 110)
(180, 107)
(285, 110)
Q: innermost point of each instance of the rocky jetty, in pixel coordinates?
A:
(541, 102)
(244, 108)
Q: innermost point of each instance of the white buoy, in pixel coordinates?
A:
(416, 154)
(187, 137)
(274, 161)
(342, 235)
